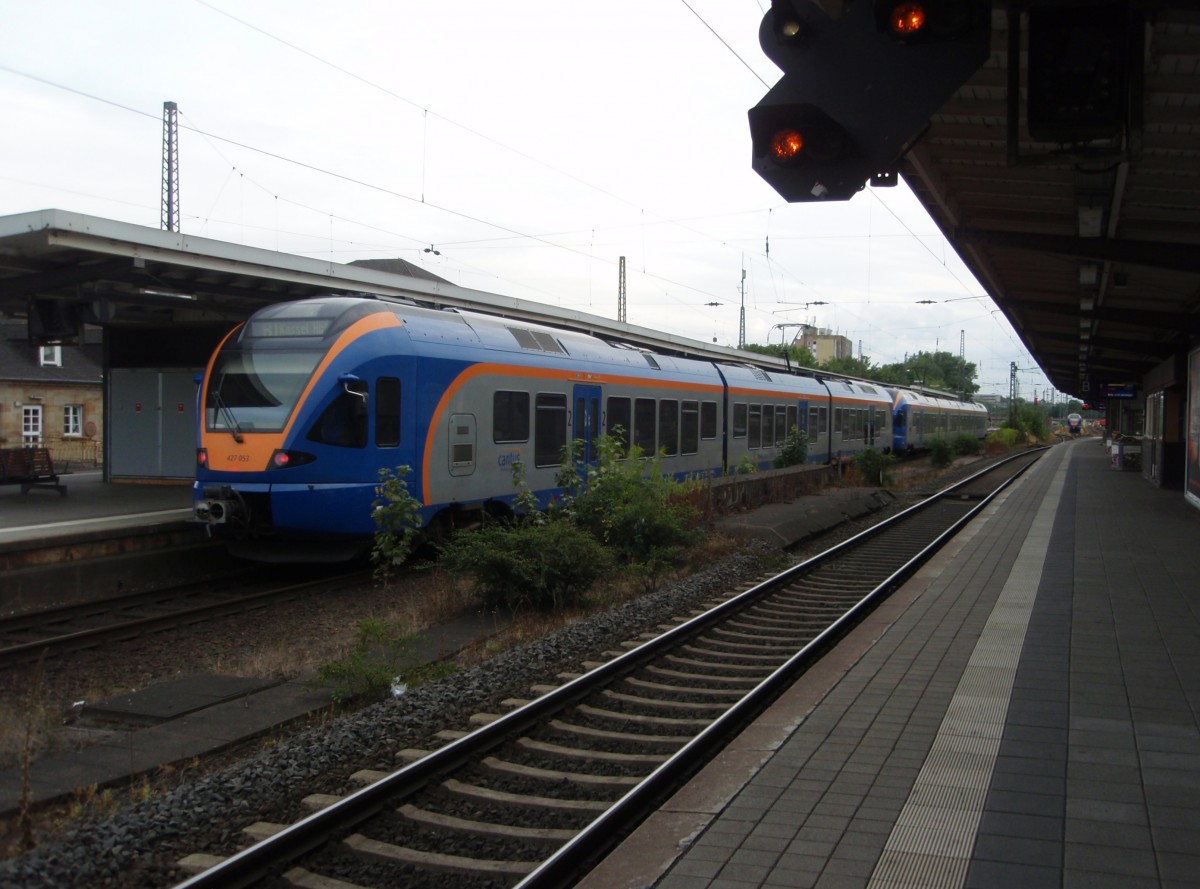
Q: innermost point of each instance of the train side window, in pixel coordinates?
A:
(837, 418)
(510, 417)
(689, 427)
(644, 410)
(619, 420)
(768, 425)
(814, 420)
(739, 420)
(550, 429)
(781, 424)
(823, 429)
(708, 419)
(344, 423)
(792, 420)
(755, 430)
(387, 412)
(668, 426)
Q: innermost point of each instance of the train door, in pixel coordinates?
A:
(876, 425)
(586, 424)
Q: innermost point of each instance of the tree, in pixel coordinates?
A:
(932, 370)
(850, 366)
(798, 355)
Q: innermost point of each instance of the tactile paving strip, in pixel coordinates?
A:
(930, 845)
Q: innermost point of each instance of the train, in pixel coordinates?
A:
(920, 417)
(303, 405)
(1074, 423)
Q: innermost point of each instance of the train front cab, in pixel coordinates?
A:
(289, 440)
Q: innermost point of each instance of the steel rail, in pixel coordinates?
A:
(264, 858)
(580, 853)
(79, 639)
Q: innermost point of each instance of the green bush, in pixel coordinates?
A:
(1029, 420)
(527, 565)
(874, 466)
(941, 453)
(794, 450)
(967, 445)
(619, 510)
(1008, 437)
(628, 505)
(397, 516)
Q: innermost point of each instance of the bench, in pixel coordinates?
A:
(29, 468)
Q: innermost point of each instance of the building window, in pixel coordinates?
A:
(72, 420)
(50, 356)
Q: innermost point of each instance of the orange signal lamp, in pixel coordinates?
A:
(907, 20)
(786, 145)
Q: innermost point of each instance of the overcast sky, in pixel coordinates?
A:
(530, 143)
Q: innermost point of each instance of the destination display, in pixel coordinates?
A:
(275, 327)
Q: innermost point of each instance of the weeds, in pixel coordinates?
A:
(794, 450)
(380, 662)
(874, 467)
(941, 453)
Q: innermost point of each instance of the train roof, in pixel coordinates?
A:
(925, 399)
(430, 328)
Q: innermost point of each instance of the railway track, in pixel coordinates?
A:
(533, 796)
(53, 632)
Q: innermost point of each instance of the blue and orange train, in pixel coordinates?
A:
(306, 402)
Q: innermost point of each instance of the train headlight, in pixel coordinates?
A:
(202, 457)
(282, 459)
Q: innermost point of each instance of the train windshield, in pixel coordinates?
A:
(255, 391)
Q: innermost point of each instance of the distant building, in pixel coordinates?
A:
(824, 343)
(52, 396)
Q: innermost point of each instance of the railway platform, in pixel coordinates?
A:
(1023, 712)
(97, 538)
(91, 504)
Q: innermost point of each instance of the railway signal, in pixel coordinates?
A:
(860, 81)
